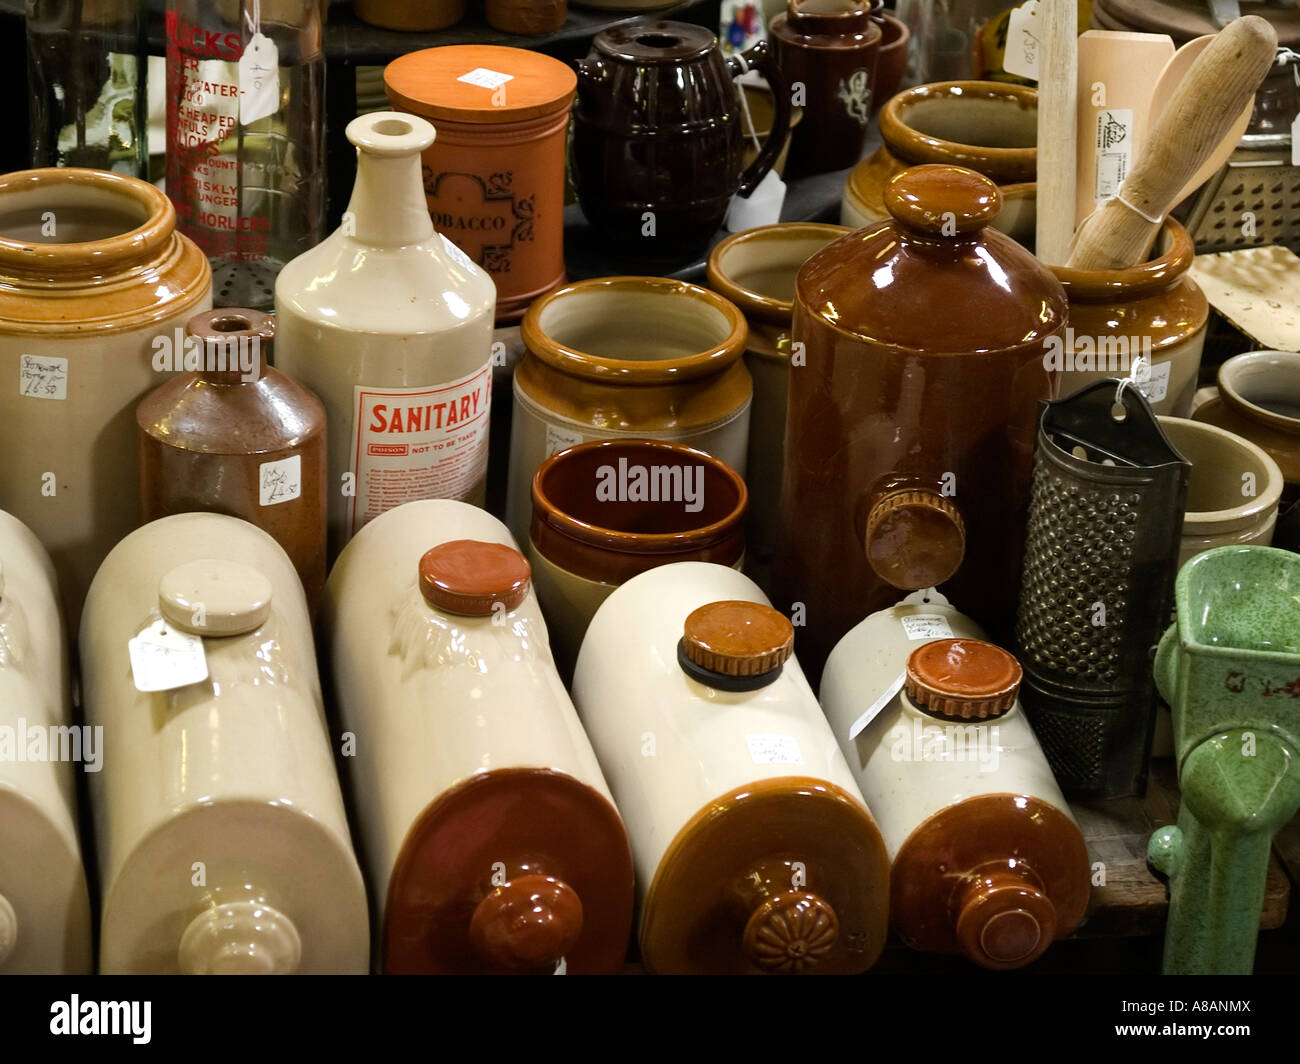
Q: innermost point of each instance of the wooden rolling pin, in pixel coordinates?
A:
(1219, 84)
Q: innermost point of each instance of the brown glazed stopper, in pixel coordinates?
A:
(738, 638)
(964, 678)
(527, 924)
(914, 539)
(471, 578)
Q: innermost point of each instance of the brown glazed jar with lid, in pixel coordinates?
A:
(494, 177)
(910, 432)
(240, 438)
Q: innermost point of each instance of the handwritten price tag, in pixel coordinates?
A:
(259, 80)
(43, 377)
(1023, 42)
(770, 748)
(163, 659)
(279, 481)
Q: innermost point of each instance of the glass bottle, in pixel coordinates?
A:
(246, 136)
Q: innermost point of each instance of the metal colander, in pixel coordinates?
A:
(1105, 517)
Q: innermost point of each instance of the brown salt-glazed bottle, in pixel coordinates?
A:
(910, 431)
(240, 438)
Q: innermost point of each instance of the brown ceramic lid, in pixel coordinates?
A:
(646, 41)
(915, 539)
(966, 678)
(529, 923)
(791, 932)
(428, 83)
(738, 638)
(942, 200)
(469, 577)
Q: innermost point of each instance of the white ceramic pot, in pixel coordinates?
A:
(987, 858)
(754, 851)
(391, 325)
(44, 906)
(223, 843)
(491, 839)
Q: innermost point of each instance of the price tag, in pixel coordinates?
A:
(1152, 378)
(456, 254)
(1295, 141)
(1114, 145)
(163, 658)
(926, 626)
(279, 481)
(43, 377)
(557, 438)
(873, 710)
(1023, 42)
(259, 80)
(562, 968)
(769, 748)
(486, 79)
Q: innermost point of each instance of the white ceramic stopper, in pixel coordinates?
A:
(240, 938)
(215, 597)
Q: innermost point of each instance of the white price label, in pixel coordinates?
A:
(279, 481)
(887, 696)
(457, 256)
(1024, 43)
(926, 626)
(486, 79)
(163, 658)
(1295, 138)
(1152, 379)
(43, 377)
(558, 438)
(770, 748)
(1114, 145)
(259, 80)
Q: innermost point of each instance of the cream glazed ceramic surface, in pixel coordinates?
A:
(902, 787)
(44, 906)
(385, 303)
(436, 699)
(223, 842)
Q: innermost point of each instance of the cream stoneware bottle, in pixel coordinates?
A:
(492, 841)
(44, 907)
(223, 842)
(754, 850)
(987, 858)
(391, 325)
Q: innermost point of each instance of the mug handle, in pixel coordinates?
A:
(760, 58)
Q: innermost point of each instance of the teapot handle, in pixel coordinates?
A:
(760, 58)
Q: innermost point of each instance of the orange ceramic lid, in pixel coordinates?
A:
(738, 638)
(479, 83)
(469, 577)
(967, 678)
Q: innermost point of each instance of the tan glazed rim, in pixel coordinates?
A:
(748, 299)
(1146, 278)
(591, 367)
(92, 257)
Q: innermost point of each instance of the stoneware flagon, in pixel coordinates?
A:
(754, 850)
(491, 839)
(391, 326)
(95, 283)
(44, 905)
(222, 839)
(625, 357)
(910, 431)
(240, 438)
(987, 858)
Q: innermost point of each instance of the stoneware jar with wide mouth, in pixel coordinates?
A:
(1153, 311)
(985, 126)
(627, 357)
(95, 287)
(607, 510)
(756, 271)
(891, 60)
(754, 851)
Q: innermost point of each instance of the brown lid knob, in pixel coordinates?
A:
(791, 932)
(966, 678)
(236, 342)
(470, 577)
(738, 638)
(1004, 920)
(529, 923)
(915, 539)
(941, 200)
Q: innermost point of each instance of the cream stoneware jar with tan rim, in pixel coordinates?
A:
(223, 842)
(95, 282)
(754, 850)
(987, 859)
(619, 357)
(607, 510)
(44, 906)
(491, 839)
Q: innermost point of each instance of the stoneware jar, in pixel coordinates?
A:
(987, 858)
(1154, 311)
(605, 511)
(391, 325)
(1234, 490)
(223, 842)
(891, 60)
(410, 16)
(754, 851)
(829, 47)
(627, 357)
(658, 139)
(528, 17)
(987, 126)
(240, 438)
(44, 906)
(494, 178)
(491, 839)
(92, 275)
(756, 271)
(910, 432)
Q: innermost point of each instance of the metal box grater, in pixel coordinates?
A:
(1261, 183)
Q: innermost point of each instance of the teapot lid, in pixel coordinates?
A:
(655, 41)
(934, 278)
(479, 83)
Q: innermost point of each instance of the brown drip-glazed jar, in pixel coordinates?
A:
(910, 430)
(240, 438)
